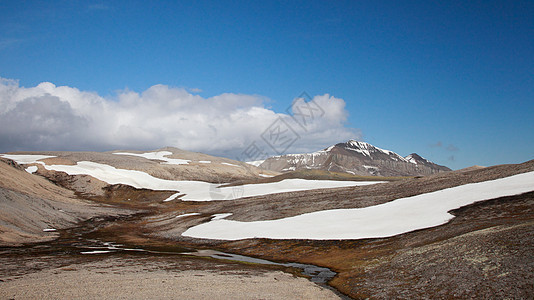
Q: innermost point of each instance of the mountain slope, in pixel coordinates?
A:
(357, 158)
(32, 208)
(418, 160)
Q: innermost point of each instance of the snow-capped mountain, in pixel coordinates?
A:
(357, 158)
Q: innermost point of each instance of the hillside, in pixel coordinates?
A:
(32, 208)
(166, 163)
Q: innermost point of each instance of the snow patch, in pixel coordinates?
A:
(172, 197)
(384, 220)
(228, 164)
(292, 168)
(220, 216)
(411, 159)
(158, 155)
(26, 159)
(187, 215)
(31, 169)
(96, 252)
(194, 190)
(255, 163)
(366, 149)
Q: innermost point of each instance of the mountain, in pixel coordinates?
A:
(354, 157)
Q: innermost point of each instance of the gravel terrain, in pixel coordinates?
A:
(158, 278)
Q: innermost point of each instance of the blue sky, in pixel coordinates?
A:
(452, 81)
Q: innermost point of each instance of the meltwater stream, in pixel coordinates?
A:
(81, 240)
(316, 274)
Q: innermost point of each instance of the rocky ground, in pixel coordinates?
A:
(152, 277)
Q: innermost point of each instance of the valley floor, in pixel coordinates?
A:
(148, 277)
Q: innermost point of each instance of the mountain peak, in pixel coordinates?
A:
(357, 143)
(414, 158)
(369, 151)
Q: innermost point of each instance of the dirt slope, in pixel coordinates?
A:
(29, 204)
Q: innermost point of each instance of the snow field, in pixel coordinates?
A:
(159, 155)
(193, 190)
(384, 220)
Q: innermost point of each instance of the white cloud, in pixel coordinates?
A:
(48, 117)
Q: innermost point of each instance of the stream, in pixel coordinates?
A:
(84, 240)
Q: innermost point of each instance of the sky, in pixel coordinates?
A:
(450, 80)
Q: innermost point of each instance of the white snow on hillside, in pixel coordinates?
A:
(26, 159)
(186, 215)
(384, 220)
(366, 149)
(255, 163)
(229, 164)
(159, 155)
(193, 190)
(172, 197)
(31, 169)
(411, 159)
(96, 252)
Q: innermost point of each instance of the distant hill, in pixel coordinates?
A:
(354, 157)
(167, 163)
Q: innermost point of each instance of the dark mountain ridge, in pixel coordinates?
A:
(355, 157)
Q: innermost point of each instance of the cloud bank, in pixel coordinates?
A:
(49, 117)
